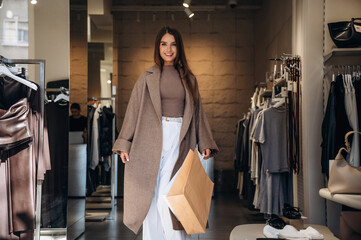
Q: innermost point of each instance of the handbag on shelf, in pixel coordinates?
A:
(344, 178)
(346, 34)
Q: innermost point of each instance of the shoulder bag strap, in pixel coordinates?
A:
(348, 147)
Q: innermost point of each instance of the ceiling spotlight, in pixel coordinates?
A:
(33, 2)
(187, 3)
(1, 3)
(232, 3)
(189, 13)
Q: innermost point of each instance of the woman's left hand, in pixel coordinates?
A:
(206, 153)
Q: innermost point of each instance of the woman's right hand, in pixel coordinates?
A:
(124, 156)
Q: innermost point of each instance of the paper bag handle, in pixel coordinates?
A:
(207, 161)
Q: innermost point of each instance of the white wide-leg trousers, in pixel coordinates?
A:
(158, 224)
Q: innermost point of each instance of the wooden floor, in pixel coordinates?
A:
(227, 211)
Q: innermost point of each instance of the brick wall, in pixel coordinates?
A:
(220, 50)
(79, 58)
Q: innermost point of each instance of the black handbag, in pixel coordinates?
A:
(346, 34)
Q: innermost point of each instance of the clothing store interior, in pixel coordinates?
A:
(280, 86)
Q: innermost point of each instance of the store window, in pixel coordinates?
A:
(14, 29)
(15, 32)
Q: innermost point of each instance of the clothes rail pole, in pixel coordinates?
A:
(114, 156)
(41, 62)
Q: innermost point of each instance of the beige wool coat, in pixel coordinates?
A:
(141, 137)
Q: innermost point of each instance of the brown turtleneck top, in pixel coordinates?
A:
(172, 93)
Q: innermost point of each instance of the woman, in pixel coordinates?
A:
(164, 119)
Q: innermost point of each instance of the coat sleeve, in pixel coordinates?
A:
(204, 133)
(125, 138)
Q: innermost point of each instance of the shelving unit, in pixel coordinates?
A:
(338, 58)
(343, 56)
(350, 200)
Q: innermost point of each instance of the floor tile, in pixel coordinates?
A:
(226, 212)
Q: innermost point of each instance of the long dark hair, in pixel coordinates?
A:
(180, 62)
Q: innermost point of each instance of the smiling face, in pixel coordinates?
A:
(168, 49)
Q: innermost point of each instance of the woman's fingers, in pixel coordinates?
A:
(206, 153)
(124, 156)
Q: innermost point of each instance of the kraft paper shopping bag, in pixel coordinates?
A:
(190, 195)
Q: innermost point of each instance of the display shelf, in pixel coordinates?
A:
(343, 56)
(350, 200)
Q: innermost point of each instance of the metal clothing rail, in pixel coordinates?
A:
(114, 156)
(102, 98)
(41, 62)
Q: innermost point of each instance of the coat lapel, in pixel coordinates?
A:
(153, 81)
(188, 113)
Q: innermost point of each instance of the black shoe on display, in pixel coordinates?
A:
(291, 212)
(276, 222)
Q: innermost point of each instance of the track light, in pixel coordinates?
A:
(189, 13)
(187, 3)
(1, 3)
(33, 2)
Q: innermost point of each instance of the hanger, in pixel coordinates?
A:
(5, 71)
(279, 103)
(62, 97)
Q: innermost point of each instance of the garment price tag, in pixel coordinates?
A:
(284, 92)
(290, 86)
(295, 88)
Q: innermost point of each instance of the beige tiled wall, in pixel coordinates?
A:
(220, 51)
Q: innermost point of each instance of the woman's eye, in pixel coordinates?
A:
(174, 44)
(164, 44)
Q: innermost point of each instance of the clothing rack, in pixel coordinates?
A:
(335, 69)
(286, 82)
(41, 62)
(61, 89)
(114, 156)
